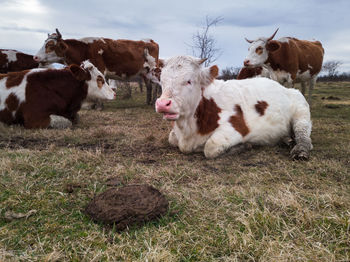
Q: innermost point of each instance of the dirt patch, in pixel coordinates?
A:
(127, 206)
(331, 98)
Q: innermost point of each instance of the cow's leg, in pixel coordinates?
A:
(148, 90)
(303, 87)
(311, 87)
(301, 125)
(59, 122)
(220, 141)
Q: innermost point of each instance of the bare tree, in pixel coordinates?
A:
(229, 73)
(204, 43)
(331, 67)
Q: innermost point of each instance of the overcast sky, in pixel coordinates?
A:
(24, 24)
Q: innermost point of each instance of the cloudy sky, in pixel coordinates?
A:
(24, 24)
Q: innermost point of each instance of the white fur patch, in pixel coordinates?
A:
(18, 91)
(284, 40)
(11, 55)
(100, 52)
(89, 40)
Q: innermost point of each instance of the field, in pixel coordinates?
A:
(254, 206)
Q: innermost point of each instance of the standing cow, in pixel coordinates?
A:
(13, 61)
(217, 116)
(288, 60)
(41, 98)
(116, 59)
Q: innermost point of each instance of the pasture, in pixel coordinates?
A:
(257, 205)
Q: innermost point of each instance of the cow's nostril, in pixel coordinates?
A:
(169, 103)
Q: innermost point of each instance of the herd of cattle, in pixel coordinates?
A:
(209, 115)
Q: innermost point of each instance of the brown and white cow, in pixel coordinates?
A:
(13, 61)
(116, 59)
(217, 116)
(250, 72)
(288, 60)
(41, 98)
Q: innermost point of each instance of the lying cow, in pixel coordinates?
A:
(289, 60)
(116, 59)
(36, 98)
(13, 61)
(217, 116)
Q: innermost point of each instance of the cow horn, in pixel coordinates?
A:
(272, 35)
(202, 60)
(249, 41)
(59, 36)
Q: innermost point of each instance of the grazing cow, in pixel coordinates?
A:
(116, 59)
(218, 116)
(289, 60)
(39, 98)
(13, 61)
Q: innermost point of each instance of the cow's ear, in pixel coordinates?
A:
(78, 72)
(208, 75)
(272, 45)
(214, 72)
(62, 46)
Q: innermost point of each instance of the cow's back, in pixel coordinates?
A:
(296, 57)
(124, 58)
(310, 55)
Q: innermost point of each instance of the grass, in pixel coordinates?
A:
(255, 206)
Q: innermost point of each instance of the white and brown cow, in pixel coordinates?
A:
(288, 60)
(217, 116)
(41, 98)
(13, 61)
(116, 59)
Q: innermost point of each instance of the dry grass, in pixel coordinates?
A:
(255, 206)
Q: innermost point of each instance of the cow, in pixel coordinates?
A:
(116, 59)
(13, 61)
(42, 98)
(217, 116)
(288, 60)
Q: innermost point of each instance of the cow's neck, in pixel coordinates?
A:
(76, 53)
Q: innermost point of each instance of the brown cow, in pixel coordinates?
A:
(13, 61)
(41, 98)
(116, 59)
(288, 60)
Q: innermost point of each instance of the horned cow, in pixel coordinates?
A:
(288, 60)
(116, 59)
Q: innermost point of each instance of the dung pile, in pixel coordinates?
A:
(126, 206)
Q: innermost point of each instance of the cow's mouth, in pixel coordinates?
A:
(170, 116)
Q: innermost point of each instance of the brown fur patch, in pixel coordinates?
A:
(259, 50)
(238, 122)
(247, 72)
(207, 114)
(12, 102)
(260, 107)
(15, 78)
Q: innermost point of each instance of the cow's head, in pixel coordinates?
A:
(183, 78)
(259, 50)
(53, 49)
(96, 82)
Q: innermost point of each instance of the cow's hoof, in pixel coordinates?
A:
(300, 153)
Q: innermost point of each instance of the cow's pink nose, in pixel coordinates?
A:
(246, 62)
(36, 58)
(163, 105)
